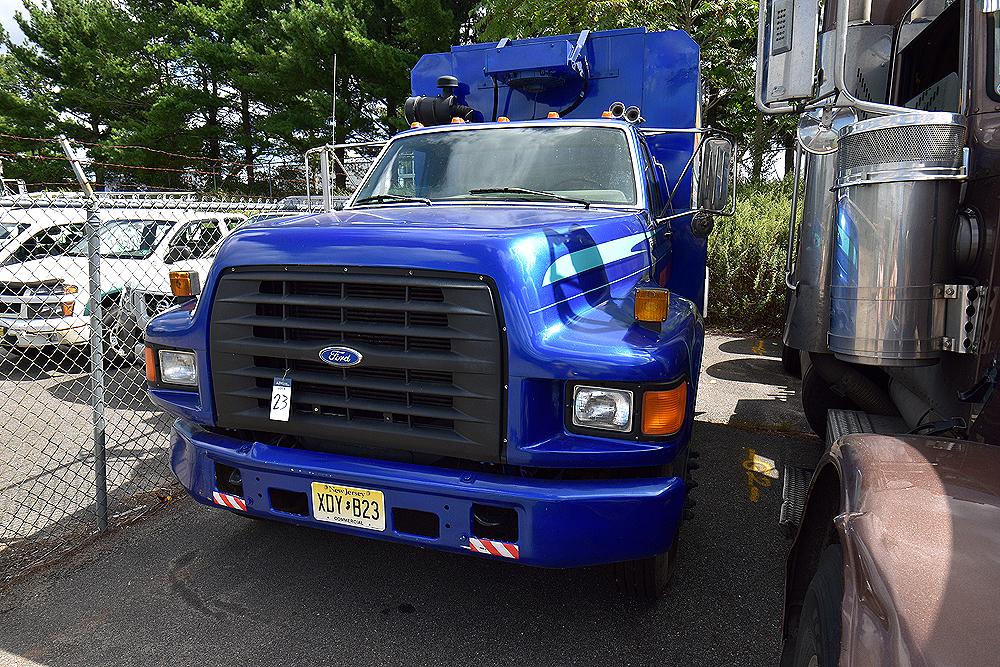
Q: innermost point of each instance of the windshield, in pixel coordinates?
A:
(584, 163)
(127, 239)
(48, 242)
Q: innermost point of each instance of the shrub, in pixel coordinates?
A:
(746, 260)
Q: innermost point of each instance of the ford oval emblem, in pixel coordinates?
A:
(342, 357)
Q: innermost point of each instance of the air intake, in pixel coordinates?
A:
(898, 182)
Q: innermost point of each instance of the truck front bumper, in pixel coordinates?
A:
(26, 334)
(559, 523)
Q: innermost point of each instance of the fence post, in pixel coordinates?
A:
(96, 337)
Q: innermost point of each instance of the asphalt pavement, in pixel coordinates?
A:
(192, 585)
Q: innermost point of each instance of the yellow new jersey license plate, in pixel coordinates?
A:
(360, 508)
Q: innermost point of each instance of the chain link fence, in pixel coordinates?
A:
(81, 446)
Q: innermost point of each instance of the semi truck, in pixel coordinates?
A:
(893, 275)
(494, 347)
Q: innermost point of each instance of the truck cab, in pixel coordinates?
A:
(494, 347)
(892, 279)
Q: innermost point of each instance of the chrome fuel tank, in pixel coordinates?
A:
(898, 186)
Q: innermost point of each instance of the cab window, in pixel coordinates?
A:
(928, 66)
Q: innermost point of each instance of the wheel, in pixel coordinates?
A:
(791, 361)
(120, 339)
(817, 643)
(646, 579)
(818, 399)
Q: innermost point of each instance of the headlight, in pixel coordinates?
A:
(603, 408)
(178, 368)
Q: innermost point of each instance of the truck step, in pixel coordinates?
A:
(793, 495)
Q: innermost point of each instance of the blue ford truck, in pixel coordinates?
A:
(494, 348)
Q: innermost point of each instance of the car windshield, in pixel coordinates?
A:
(583, 163)
(7, 230)
(48, 242)
(127, 239)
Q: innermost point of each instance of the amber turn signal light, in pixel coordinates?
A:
(150, 364)
(184, 283)
(67, 308)
(651, 305)
(663, 411)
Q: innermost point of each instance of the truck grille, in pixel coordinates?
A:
(430, 379)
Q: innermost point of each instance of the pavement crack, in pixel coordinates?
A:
(180, 585)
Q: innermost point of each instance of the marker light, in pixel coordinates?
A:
(553, 114)
(416, 125)
(178, 367)
(456, 119)
(606, 114)
(651, 305)
(503, 119)
(602, 408)
(150, 364)
(663, 411)
(185, 283)
(69, 306)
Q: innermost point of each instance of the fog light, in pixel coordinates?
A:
(663, 411)
(178, 367)
(599, 407)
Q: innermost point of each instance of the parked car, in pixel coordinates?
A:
(43, 299)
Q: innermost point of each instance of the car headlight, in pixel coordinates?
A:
(602, 408)
(178, 368)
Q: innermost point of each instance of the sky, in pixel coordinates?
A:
(7, 9)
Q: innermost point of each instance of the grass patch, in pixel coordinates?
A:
(746, 260)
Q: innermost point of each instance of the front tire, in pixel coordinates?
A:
(644, 580)
(119, 340)
(817, 643)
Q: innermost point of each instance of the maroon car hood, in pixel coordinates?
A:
(922, 551)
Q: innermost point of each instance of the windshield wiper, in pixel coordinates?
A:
(526, 191)
(378, 199)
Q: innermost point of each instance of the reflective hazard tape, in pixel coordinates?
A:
(494, 548)
(230, 501)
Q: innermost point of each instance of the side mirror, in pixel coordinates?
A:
(786, 52)
(716, 177)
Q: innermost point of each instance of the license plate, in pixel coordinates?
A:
(360, 508)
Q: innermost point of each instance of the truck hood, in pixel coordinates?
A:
(920, 531)
(546, 255)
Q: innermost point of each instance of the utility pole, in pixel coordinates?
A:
(333, 104)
